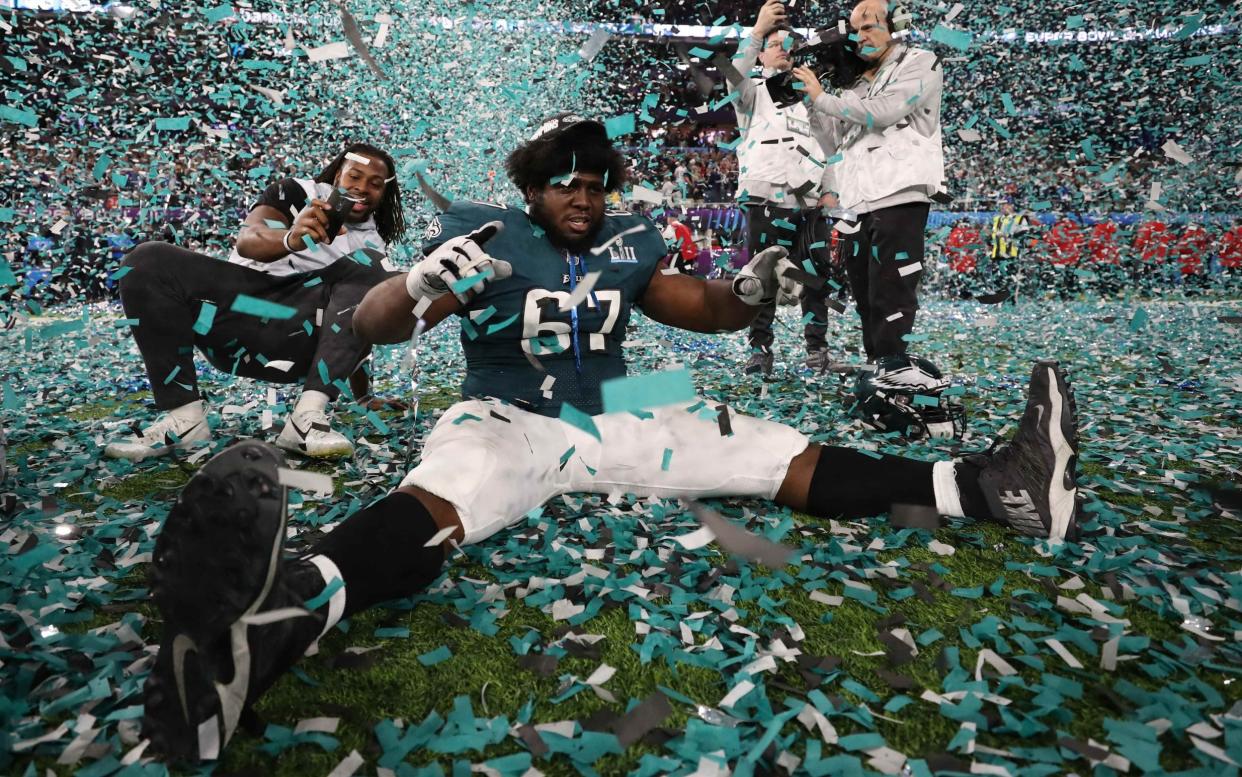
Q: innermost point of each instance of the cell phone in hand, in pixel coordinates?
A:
(339, 204)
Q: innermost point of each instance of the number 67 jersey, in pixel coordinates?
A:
(540, 338)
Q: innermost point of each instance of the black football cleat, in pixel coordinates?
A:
(232, 608)
(1031, 482)
(760, 361)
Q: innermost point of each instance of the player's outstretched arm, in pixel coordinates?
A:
(692, 303)
(441, 283)
(721, 306)
(386, 313)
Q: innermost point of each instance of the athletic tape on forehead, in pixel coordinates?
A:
(351, 156)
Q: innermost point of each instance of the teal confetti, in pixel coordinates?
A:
(206, 316)
(653, 389)
(576, 418)
(437, 656)
(958, 39)
(261, 308)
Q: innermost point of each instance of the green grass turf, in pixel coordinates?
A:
(485, 669)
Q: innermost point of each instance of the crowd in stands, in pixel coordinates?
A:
(92, 172)
(690, 176)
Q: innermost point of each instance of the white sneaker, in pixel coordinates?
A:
(309, 433)
(169, 432)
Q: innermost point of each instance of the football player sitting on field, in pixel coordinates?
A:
(543, 295)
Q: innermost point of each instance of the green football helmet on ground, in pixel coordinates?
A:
(906, 394)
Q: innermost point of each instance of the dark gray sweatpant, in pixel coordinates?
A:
(167, 289)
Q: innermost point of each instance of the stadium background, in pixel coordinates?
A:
(1116, 653)
(128, 122)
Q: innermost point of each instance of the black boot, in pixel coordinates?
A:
(233, 611)
(1031, 483)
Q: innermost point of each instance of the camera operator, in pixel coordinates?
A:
(279, 310)
(887, 128)
(781, 175)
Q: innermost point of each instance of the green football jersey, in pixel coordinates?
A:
(520, 346)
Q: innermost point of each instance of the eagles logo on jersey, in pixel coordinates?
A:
(433, 229)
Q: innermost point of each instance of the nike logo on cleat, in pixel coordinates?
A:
(1060, 498)
(182, 645)
(1022, 512)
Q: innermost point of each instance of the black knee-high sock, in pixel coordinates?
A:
(850, 484)
(966, 475)
(381, 551)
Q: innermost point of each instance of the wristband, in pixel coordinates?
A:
(285, 241)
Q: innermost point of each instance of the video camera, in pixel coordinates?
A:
(830, 53)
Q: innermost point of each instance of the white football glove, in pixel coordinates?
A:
(765, 277)
(458, 257)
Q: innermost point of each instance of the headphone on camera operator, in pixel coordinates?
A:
(897, 22)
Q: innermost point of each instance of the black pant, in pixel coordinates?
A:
(887, 240)
(1006, 274)
(167, 288)
(799, 230)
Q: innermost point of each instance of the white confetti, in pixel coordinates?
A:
(320, 725)
(695, 539)
(305, 481)
(439, 536)
(828, 599)
(735, 695)
(338, 50)
(580, 291)
(642, 193)
(1064, 653)
(348, 765)
(1175, 152)
(594, 44)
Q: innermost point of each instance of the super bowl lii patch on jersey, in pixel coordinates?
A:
(621, 253)
(434, 228)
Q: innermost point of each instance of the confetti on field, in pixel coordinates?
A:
(1139, 617)
(605, 633)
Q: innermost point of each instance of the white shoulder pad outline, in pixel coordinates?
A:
(619, 213)
(495, 205)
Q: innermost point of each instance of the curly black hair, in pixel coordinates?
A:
(389, 218)
(534, 163)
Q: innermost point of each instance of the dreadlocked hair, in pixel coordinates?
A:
(389, 217)
(534, 163)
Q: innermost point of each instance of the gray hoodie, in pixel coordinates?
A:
(887, 133)
(758, 156)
